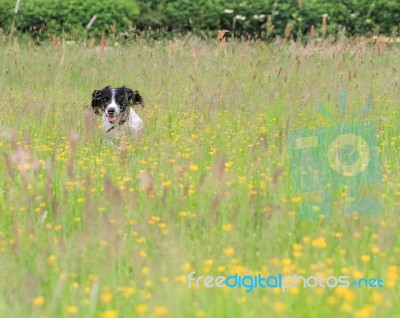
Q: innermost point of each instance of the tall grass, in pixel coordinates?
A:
(89, 230)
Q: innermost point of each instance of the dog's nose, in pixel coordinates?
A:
(111, 111)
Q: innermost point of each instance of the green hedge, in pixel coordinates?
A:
(70, 16)
(241, 16)
(357, 16)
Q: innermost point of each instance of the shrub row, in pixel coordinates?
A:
(69, 16)
(262, 18)
(251, 16)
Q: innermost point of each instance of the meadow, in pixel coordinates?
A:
(89, 230)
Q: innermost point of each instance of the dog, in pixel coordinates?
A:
(118, 117)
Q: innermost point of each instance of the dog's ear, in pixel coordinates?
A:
(96, 101)
(134, 97)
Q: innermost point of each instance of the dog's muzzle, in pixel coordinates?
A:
(111, 115)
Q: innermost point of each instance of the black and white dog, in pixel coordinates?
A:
(118, 117)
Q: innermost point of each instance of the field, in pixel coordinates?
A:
(89, 230)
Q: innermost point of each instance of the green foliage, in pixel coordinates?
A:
(238, 16)
(70, 16)
(241, 16)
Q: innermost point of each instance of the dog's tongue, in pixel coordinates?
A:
(111, 119)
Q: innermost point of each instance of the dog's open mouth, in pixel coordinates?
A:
(112, 119)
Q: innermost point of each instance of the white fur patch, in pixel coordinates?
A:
(133, 126)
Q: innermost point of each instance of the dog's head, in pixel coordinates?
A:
(115, 102)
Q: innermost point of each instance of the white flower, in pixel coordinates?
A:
(240, 17)
(260, 17)
(228, 11)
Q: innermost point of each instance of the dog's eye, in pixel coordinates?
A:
(105, 99)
